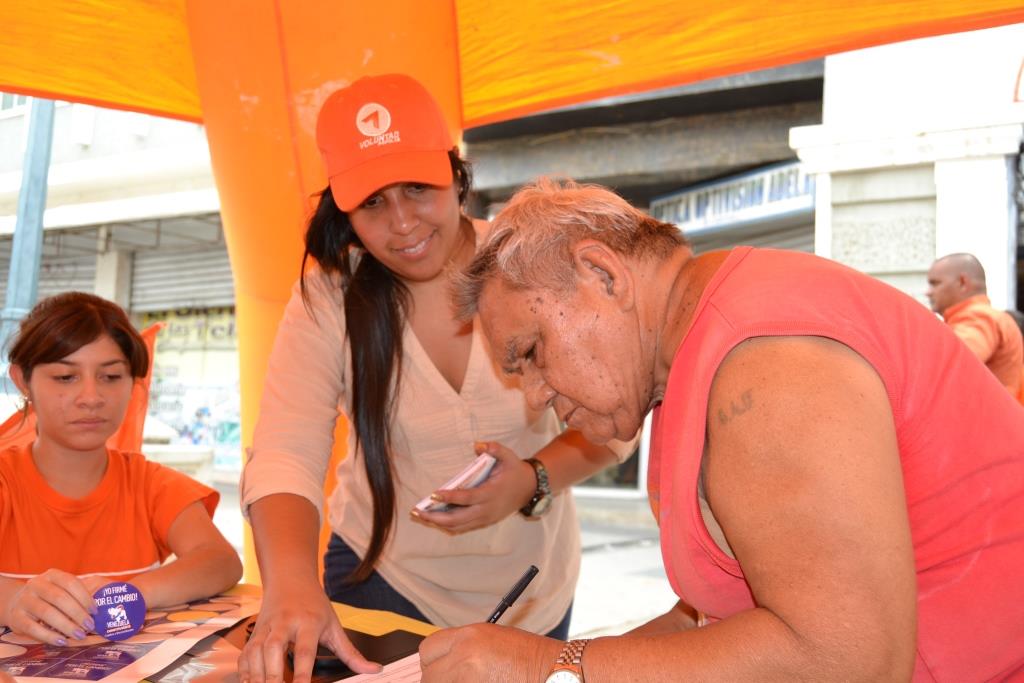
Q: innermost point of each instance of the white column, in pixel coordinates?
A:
(823, 215)
(975, 213)
(113, 272)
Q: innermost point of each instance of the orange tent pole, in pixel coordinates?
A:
(263, 68)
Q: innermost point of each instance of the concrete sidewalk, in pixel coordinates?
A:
(622, 581)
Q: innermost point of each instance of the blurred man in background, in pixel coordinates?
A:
(957, 292)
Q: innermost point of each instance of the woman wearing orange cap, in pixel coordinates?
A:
(371, 331)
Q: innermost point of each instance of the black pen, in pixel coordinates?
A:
(513, 594)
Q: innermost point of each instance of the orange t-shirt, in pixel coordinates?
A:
(992, 336)
(119, 529)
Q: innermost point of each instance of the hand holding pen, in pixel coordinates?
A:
(513, 594)
(467, 654)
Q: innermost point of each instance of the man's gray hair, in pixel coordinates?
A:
(531, 239)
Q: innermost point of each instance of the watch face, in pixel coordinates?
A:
(563, 677)
(540, 507)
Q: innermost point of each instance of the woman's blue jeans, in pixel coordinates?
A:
(376, 593)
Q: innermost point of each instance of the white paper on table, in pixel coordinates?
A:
(406, 670)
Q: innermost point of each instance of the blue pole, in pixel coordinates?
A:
(27, 248)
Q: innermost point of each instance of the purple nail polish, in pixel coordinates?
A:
(78, 634)
(88, 624)
(62, 642)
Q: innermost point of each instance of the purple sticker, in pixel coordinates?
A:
(35, 666)
(83, 670)
(120, 611)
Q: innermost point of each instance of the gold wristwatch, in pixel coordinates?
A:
(569, 665)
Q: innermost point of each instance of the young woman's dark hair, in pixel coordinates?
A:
(375, 309)
(60, 325)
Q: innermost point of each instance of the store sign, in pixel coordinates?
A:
(194, 329)
(756, 196)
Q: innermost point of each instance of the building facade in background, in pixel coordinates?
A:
(919, 155)
(132, 215)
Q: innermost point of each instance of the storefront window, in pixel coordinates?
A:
(627, 479)
(194, 390)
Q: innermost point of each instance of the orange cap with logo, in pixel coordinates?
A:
(382, 130)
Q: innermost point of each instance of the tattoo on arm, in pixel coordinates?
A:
(736, 407)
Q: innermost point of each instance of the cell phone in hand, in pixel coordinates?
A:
(474, 475)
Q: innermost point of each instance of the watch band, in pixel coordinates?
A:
(571, 658)
(542, 492)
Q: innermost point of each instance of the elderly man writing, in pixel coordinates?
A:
(838, 488)
(957, 292)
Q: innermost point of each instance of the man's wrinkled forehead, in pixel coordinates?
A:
(507, 319)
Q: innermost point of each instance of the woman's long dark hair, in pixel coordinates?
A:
(376, 304)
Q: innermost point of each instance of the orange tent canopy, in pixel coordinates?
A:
(515, 58)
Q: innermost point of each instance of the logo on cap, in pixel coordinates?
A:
(373, 119)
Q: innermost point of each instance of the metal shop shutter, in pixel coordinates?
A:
(58, 274)
(169, 280)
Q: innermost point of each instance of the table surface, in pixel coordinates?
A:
(215, 658)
